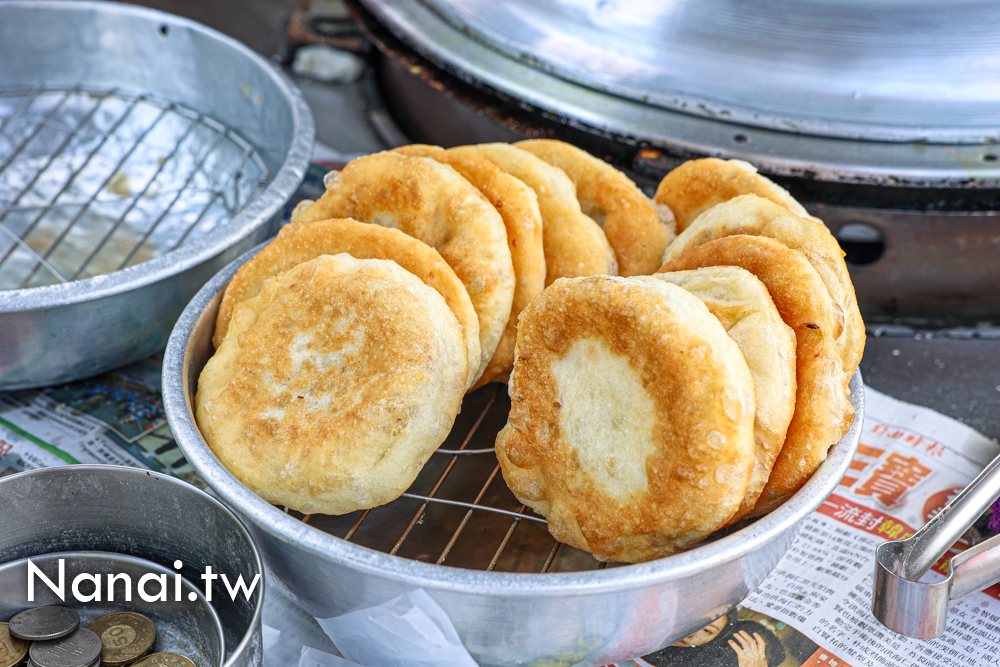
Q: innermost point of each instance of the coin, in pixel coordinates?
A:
(126, 637)
(79, 649)
(44, 623)
(164, 660)
(12, 649)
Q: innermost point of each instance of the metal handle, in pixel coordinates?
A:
(918, 609)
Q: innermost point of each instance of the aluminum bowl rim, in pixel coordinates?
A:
(267, 204)
(187, 488)
(297, 535)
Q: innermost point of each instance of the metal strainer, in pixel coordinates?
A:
(139, 153)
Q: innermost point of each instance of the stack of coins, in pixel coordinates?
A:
(52, 637)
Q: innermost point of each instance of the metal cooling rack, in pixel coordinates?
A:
(459, 511)
(95, 181)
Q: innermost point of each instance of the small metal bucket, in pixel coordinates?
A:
(110, 519)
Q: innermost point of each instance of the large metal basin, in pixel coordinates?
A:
(582, 618)
(67, 331)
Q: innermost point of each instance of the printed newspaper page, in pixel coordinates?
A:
(116, 418)
(815, 608)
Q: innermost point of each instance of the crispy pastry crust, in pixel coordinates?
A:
(430, 201)
(823, 411)
(574, 244)
(745, 309)
(299, 242)
(334, 385)
(637, 228)
(631, 422)
(518, 206)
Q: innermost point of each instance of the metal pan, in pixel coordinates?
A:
(591, 616)
(75, 81)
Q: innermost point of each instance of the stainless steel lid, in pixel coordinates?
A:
(898, 71)
(887, 94)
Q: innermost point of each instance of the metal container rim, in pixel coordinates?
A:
(188, 488)
(298, 535)
(268, 203)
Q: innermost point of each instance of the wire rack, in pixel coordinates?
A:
(459, 510)
(95, 181)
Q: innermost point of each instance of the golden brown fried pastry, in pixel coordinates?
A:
(637, 228)
(631, 421)
(744, 308)
(518, 206)
(430, 201)
(334, 385)
(574, 244)
(299, 242)
(823, 411)
(753, 215)
(698, 185)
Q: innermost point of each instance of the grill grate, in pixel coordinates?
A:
(459, 511)
(95, 181)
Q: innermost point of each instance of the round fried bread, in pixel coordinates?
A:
(744, 308)
(698, 185)
(823, 411)
(574, 244)
(334, 385)
(518, 206)
(430, 201)
(299, 242)
(631, 421)
(753, 215)
(637, 228)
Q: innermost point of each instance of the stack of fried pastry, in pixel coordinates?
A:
(345, 346)
(661, 387)
(649, 411)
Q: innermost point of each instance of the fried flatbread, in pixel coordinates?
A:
(430, 201)
(574, 244)
(334, 385)
(698, 185)
(299, 242)
(637, 228)
(631, 421)
(823, 411)
(744, 308)
(753, 215)
(518, 206)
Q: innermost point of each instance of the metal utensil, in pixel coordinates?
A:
(128, 121)
(591, 617)
(135, 519)
(905, 604)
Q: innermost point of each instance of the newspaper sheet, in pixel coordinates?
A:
(814, 610)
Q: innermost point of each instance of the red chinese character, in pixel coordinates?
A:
(893, 478)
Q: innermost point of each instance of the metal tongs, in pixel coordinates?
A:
(906, 605)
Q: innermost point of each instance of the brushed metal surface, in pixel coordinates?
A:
(896, 71)
(575, 618)
(132, 513)
(784, 149)
(63, 332)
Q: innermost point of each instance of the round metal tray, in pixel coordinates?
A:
(582, 615)
(106, 519)
(139, 146)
